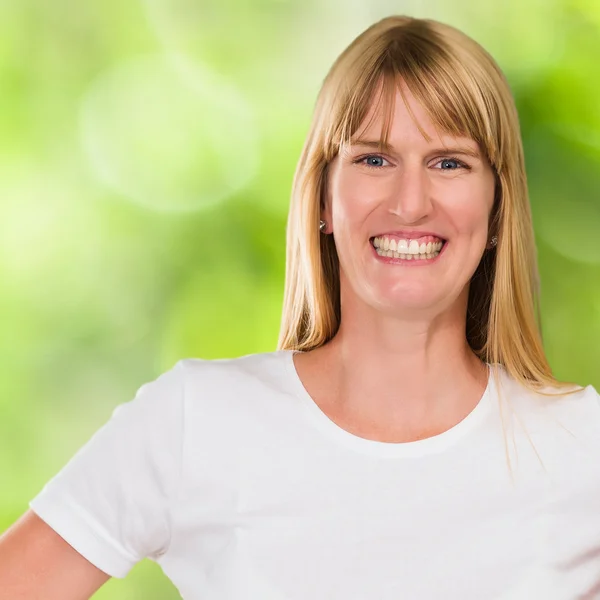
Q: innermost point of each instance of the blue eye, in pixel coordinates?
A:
(376, 161)
(450, 161)
(372, 160)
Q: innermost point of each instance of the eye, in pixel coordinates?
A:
(373, 161)
(451, 164)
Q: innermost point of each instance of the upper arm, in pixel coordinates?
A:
(108, 507)
(35, 562)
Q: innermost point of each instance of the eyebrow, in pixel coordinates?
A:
(442, 150)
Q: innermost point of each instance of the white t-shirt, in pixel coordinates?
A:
(227, 474)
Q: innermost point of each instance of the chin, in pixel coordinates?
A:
(408, 302)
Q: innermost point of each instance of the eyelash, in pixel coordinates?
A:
(450, 158)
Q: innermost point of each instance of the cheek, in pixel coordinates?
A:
(354, 195)
(470, 218)
(469, 208)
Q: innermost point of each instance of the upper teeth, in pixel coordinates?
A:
(406, 246)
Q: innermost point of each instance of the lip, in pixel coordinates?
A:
(409, 234)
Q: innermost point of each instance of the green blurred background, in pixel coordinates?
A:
(148, 149)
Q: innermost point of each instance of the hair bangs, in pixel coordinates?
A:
(457, 103)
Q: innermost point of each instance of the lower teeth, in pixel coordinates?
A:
(392, 254)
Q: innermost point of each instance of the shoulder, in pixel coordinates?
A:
(258, 370)
(201, 374)
(579, 406)
(576, 408)
(165, 402)
(219, 391)
(579, 401)
(232, 405)
(552, 397)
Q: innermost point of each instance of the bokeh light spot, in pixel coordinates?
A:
(167, 140)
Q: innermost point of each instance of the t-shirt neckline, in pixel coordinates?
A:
(430, 445)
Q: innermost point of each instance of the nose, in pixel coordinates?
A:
(410, 197)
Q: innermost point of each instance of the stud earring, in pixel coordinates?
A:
(322, 226)
(493, 241)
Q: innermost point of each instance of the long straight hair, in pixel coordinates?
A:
(466, 94)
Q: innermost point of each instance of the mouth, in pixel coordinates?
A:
(422, 248)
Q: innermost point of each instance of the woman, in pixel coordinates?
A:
(407, 440)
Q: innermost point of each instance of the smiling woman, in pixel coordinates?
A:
(416, 182)
(421, 94)
(368, 456)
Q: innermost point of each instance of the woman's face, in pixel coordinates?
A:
(414, 191)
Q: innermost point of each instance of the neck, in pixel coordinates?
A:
(403, 371)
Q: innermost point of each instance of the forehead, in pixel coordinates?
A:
(401, 114)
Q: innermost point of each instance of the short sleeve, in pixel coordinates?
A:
(112, 500)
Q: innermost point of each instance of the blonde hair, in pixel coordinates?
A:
(466, 94)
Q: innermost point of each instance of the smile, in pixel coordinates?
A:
(424, 249)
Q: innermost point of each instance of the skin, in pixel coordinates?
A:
(36, 563)
(400, 368)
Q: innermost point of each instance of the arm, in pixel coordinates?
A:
(108, 508)
(36, 563)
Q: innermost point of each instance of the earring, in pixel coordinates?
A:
(493, 241)
(322, 226)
